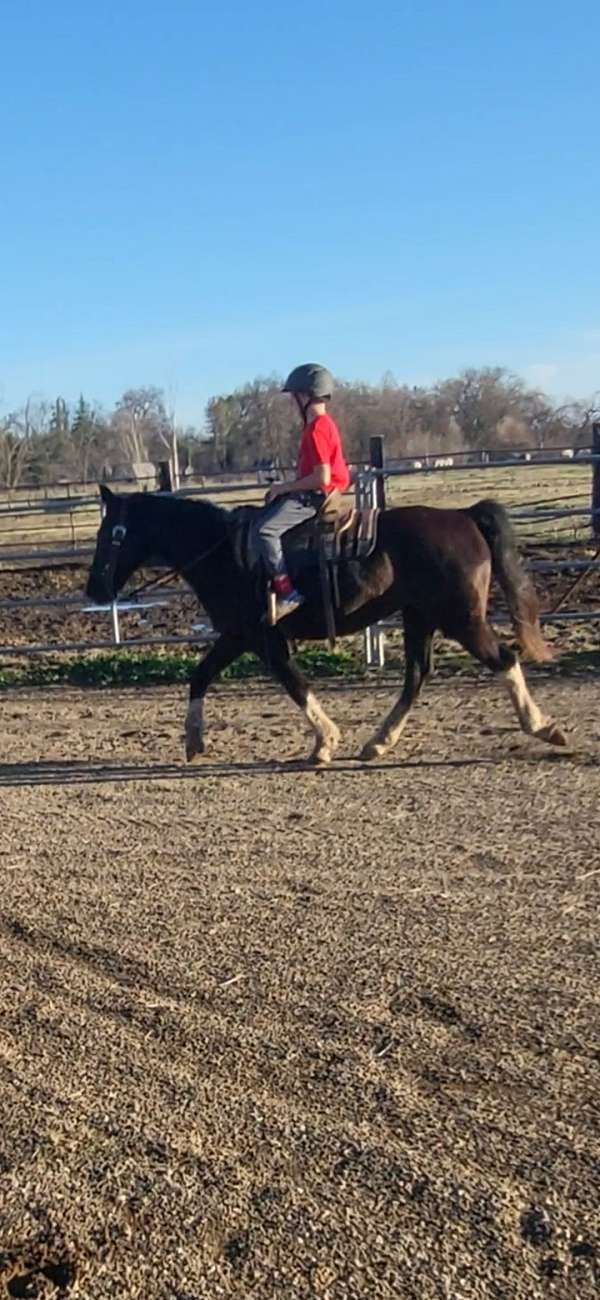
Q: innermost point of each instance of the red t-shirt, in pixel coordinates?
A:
(322, 445)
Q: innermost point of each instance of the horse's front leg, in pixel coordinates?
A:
(224, 652)
(274, 651)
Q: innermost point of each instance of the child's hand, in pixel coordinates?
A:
(274, 492)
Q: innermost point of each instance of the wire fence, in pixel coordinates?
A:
(59, 532)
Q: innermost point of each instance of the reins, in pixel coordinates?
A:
(175, 573)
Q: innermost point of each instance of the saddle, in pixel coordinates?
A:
(345, 532)
(338, 535)
(342, 534)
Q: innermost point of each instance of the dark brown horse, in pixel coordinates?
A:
(434, 566)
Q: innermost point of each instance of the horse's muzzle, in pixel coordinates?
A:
(98, 589)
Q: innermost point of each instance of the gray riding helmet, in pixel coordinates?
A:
(316, 381)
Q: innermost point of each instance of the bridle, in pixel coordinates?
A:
(117, 537)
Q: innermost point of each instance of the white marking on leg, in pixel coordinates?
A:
(388, 734)
(326, 732)
(531, 718)
(194, 729)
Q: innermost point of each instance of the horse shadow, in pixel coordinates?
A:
(74, 772)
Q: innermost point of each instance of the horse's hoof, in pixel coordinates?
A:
(371, 751)
(552, 734)
(194, 747)
(320, 758)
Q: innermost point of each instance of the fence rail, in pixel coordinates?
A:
(370, 488)
(73, 520)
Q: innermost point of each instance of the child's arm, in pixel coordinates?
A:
(319, 478)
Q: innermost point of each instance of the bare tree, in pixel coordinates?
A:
(487, 407)
(579, 418)
(254, 422)
(15, 454)
(20, 434)
(140, 422)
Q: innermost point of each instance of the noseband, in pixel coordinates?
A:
(117, 537)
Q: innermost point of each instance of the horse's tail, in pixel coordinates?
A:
(493, 522)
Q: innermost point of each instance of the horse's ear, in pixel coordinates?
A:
(105, 493)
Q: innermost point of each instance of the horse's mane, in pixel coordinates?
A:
(169, 504)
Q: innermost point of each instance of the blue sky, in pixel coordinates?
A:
(194, 193)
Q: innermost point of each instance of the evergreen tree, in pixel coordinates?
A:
(86, 433)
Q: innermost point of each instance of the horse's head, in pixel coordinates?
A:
(122, 545)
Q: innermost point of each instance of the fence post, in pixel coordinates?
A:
(114, 611)
(374, 637)
(377, 485)
(376, 456)
(165, 478)
(596, 479)
(359, 489)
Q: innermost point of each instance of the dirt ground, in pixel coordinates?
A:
(270, 1032)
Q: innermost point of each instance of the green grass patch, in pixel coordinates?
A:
(125, 668)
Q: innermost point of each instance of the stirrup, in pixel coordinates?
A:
(282, 606)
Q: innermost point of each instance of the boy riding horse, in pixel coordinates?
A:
(321, 470)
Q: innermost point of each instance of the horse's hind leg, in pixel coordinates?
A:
(481, 641)
(418, 649)
(274, 650)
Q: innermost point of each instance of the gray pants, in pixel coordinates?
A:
(285, 513)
